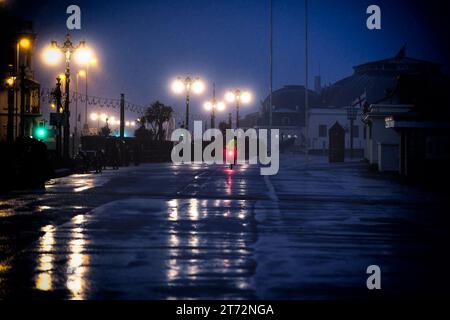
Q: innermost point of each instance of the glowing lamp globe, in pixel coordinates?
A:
(25, 43)
(229, 96)
(198, 87)
(207, 105)
(83, 55)
(52, 56)
(246, 97)
(178, 86)
(220, 106)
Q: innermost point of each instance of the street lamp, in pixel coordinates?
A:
(96, 117)
(212, 105)
(10, 82)
(188, 85)
(92, 61)
(99, 117)
(239, 96)
(80, 73)
(25, 44)
(53, 55)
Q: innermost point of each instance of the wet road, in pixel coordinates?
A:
(161, 231)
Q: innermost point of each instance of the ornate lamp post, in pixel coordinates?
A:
(239, 96)
(188, 85)
(92, 61)
(212, 105)
(52, 56)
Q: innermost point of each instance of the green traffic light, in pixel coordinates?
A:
(41, 133)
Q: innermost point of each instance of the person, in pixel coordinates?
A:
(115, 156)
(103, 158)
(98, 161)
(231, 151)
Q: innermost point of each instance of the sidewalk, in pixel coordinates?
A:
(332, 221)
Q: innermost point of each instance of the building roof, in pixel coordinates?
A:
(291, 97)
(343, 92)
(398, 64)
(376, 79)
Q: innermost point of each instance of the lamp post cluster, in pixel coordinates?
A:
(213, 105)
(83, 55)
(188, 85)
(107, 119)
(239, 96)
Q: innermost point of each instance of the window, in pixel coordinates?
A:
(355, 131)
(322, 130)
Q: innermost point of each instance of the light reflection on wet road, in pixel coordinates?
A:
(162, 231)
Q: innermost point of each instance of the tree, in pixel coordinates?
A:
(142, 133)
(156, 115)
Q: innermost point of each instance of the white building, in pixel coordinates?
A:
(382, 145)
(321, 120)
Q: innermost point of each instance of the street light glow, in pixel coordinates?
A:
(220, 105)
(229, 96)
(178, 86)
(52, 56)
(187, 85)
(82, 73)
(83, 55)
(94, 116)
(103, 116)
(198, 87)
(240, 96)
(246, 97)
(62, 76)
(10, 81)
(208, 105)
(24, 43)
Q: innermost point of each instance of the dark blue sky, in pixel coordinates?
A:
(142, 45)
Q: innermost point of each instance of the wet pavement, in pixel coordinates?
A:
(160, 231)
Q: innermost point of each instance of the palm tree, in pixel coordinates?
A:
(156, 115)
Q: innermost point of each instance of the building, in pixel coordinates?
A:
(322, 119)
(17, 41)
(381, 145)
(371, 84)
(410, 135)
(288, 112)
